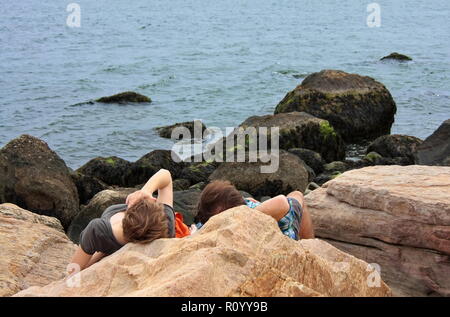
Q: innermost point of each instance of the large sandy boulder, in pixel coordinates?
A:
(34, 249)
(240, 252)
(35, 178)
(358, 107)
(395, 216)
(290, 175)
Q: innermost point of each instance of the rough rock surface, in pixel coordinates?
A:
(395, 216)
(290, 175)
(150, 163)
(435, 150)
(87, 186)
(125, 97)
(34, 177)
(300, 129)
(311, 158)
(95, 208)
(166, 131)
(34, 249)
(240, 252)
(396, 145)
(358, 107)
(185, 202)
(110, 170)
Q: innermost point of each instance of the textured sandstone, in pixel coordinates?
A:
(34, 249)
(396, 216)
(240, 252)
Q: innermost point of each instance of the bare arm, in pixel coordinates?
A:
(95, 258)
(161, 182)
(80, 259)
(276, 207)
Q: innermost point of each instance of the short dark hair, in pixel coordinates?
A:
(145, 221)
(216, 197)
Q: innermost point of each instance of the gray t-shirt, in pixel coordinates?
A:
(98, 235)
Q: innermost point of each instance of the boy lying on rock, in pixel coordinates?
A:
(141, 219)
(290, 212)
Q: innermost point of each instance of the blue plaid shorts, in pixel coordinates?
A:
(290, 223)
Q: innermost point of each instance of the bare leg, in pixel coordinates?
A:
(306, 226)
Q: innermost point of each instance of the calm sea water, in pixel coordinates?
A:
(219, 61)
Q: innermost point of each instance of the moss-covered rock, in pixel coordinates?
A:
(395, 145)
(124, 97)
(198, 172)
(397, 57)
(166, 131)
(300, 130)
(358, 107)
(150, 163)
(290, 175)
(111, 170)
(87, 186)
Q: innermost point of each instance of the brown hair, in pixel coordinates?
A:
(145, 221)
(216, 197)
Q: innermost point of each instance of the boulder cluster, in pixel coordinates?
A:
(385, 207)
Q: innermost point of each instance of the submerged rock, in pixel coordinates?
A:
(358, 107)
(290, 175)
(166, 131)
(395, 216)
(35, 178)
(125, 97)
(396, 56)
(395, 145)
(435, 150)
(34, 250)
(240, 252)
(299, 129)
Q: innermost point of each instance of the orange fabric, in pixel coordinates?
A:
(181, 230)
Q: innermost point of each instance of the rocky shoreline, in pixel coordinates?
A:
(328, 112)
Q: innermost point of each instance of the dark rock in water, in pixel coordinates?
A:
(290, 175)
(185, 202)
(87, 186)
(435, 150)
(181, 184)
(125, 97)
(150, 163)
(35, 178)
(299, 129)
(358, 107)
(166, 132)
(397, 57)
(95, 209)
(198, 172)
(111, 170)
(311, 158)
(396, 145)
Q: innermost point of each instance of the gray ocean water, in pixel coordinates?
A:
(219, 61)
